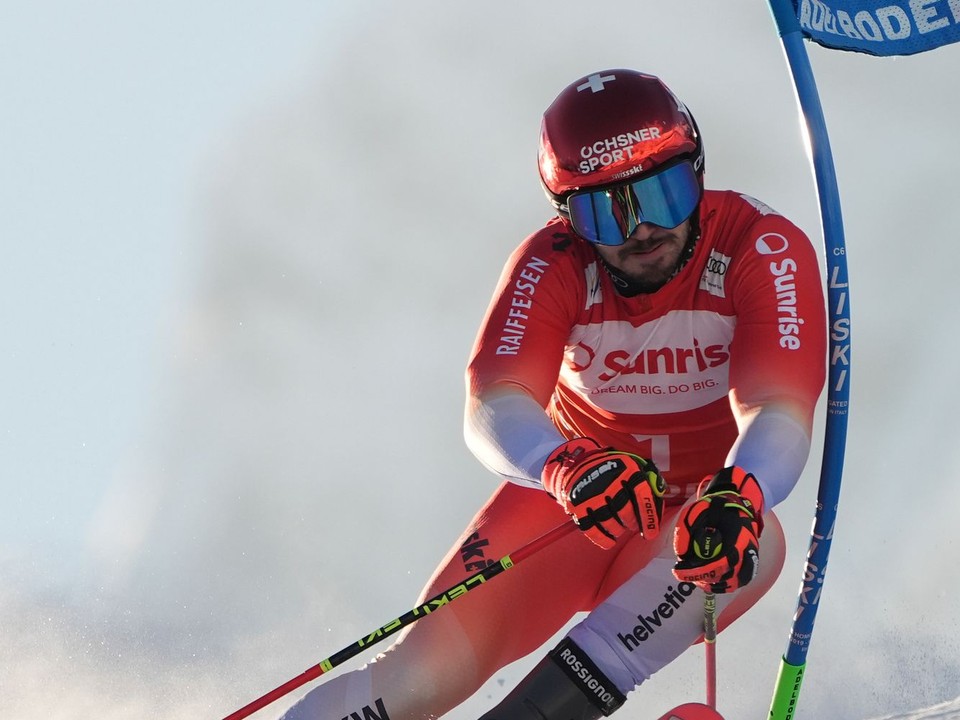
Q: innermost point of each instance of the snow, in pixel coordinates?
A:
(231, 418)
(944, 711)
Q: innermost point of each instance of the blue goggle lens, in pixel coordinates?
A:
(608, 216)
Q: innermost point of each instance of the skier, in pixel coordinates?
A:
(649, 365)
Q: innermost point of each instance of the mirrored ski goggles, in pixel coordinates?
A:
(607, 216)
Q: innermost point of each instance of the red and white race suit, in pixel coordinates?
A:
(723, 365)
(667, 375)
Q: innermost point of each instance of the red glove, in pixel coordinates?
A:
(717, 537)
(607, 492)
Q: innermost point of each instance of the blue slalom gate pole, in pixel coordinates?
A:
(793, 663)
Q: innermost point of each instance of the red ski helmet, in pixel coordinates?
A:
(615, 127)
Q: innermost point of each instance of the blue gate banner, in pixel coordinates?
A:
(880, 27)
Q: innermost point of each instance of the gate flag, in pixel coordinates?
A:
(880, 27)
(875, 27)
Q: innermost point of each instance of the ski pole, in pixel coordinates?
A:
(408, 618)
(710, 645)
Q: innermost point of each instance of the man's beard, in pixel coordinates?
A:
(631, 284)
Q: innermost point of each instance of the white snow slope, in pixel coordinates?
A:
(944, 711)
(246, 250)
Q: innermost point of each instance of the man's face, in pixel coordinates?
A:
(650, 256)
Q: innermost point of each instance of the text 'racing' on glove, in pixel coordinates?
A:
(717, 537)
(608, 492)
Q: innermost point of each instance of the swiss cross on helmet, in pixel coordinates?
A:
(617, 148)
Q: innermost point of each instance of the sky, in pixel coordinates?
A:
(247, 250)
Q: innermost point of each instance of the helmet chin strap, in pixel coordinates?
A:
(627, 287)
